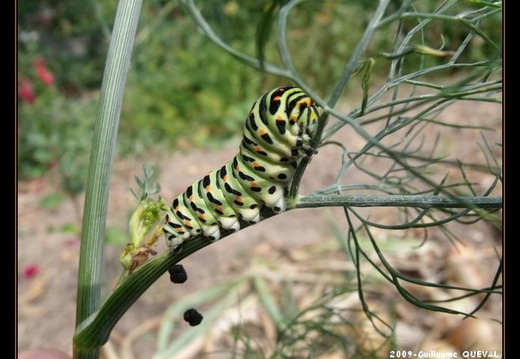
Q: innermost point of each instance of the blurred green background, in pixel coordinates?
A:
(182, 90)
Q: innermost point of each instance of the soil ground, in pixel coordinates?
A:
(46, 301)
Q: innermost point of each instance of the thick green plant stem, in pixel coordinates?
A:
(101, 159)
(95, 331)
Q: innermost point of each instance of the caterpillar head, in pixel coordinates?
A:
(297, 108)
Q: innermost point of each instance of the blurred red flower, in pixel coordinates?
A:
(25, 91)
(43, 72)
(31, 271)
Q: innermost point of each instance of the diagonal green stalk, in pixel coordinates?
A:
(248, 60)
(101, 159)
(95, 331)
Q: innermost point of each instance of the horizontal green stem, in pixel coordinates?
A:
(417, 201)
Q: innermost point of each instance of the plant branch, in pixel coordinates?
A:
(248, 60)
(417, 201)
(95, 331)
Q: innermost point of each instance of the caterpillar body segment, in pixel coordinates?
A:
(276, 136)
